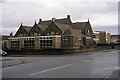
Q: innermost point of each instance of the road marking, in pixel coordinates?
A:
(117, 68)
(86, 60)
(50, 69)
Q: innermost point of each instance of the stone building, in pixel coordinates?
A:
(55, 33)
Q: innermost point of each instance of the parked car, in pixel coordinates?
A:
(3, 53)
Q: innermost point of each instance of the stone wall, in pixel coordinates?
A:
(37, 42)
(21, 43)
(57, 42)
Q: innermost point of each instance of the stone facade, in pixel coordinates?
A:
(55, 33)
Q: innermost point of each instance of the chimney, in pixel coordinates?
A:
(35, 22)
(11, 34)
(21, 24)
(40, 20)
(53, 19)
(68, 16)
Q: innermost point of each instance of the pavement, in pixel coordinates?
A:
(97, 65)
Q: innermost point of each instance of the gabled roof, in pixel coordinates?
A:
(64, 21)
(61, 20)
(47, 22)
(62, 26)
(73, 32)
(27, 28)
(79, 25)
(23, 29)
(61, 23)
(42, 26)
(35, 28)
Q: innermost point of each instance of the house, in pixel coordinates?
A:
(101, 37)
(55, 33)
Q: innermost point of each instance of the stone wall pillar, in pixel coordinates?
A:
(108, 38)
(21, 43)
(37, 42)
(57, 42)
(9, 44)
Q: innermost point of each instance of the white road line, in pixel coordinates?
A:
(117, 68)
(50, 69)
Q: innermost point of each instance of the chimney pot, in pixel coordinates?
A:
(40, 20)
(53, 19)
(68, 16)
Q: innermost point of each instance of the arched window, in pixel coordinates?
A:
(21, 35)
(52, 33)
(88, 31)
(35, 34)
(48, 33)
(57, 33)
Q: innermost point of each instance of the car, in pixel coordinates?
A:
(3, 53)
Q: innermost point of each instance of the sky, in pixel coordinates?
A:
(103, 15)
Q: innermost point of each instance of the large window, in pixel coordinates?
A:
(29, 42)
(46, 41)
(14, 43)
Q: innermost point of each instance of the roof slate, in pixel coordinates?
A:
(74, 32)
(80, 25)
(64, 21)
(27, 28)
(63, 24)
(63, 27)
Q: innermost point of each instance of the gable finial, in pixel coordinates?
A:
(68, 16)
(88, 19)
(21, 24)
(35, 21)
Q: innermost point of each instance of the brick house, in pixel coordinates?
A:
(102, 37)
(54, 33)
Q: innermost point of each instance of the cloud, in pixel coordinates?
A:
(63, 0)
(110, 28)
(99, 13)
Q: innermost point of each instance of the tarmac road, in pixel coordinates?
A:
(94, 65)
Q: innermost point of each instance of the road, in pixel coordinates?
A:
(101, 64)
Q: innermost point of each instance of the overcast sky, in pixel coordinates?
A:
(103, 15)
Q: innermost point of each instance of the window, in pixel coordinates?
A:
(48, 34)
(35, 34)
(21, 35)
(88, 31)
(56, 33)
(46, 42)
(14, 42)
(29, 42)
(52, 33)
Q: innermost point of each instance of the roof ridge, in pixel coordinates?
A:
(79, 22)
(26, 26)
